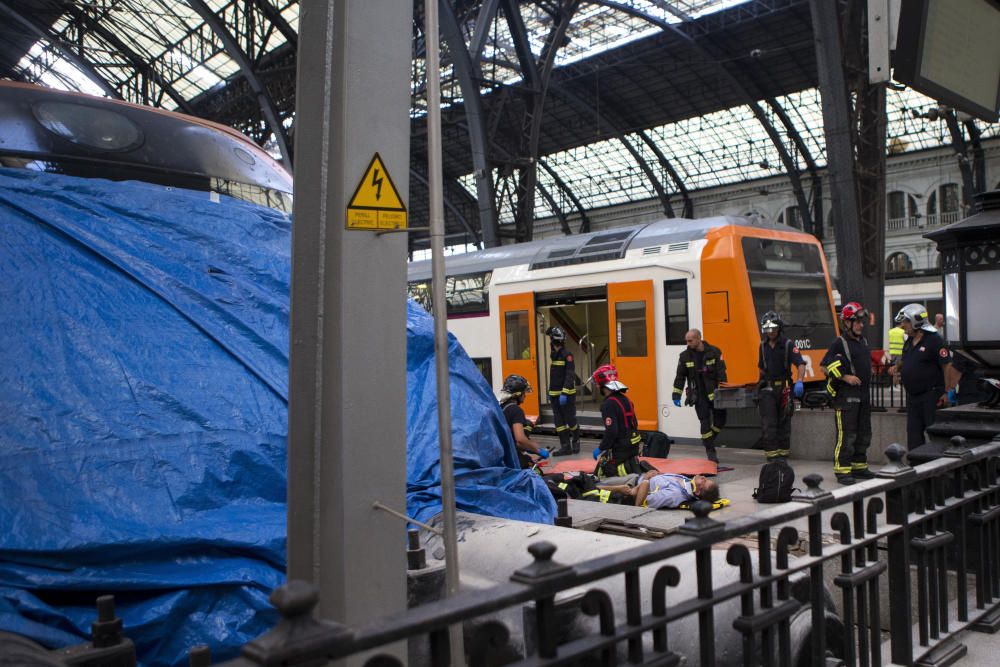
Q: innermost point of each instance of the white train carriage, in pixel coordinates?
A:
(628, 296)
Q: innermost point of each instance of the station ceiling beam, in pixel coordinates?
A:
(267, 107)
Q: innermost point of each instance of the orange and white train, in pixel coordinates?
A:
(628, 296)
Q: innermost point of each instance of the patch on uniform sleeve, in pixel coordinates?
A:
(607, 421)
(795, 350)
(943, 352)
(569, 357)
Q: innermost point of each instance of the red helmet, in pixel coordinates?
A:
(853, 311)
(605, 374)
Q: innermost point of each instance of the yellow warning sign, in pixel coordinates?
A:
(376, 203)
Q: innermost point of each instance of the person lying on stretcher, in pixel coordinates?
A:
(667, 490)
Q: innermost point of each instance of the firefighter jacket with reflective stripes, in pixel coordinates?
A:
(848, 356)
(621, 428)
(562, 373)
(706, 378)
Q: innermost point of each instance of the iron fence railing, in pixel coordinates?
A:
(932, 532)
(886, 394)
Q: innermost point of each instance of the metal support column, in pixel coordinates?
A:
(839, 150)
(347, 388)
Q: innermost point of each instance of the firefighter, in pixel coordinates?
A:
(618, 453)
(775, 360)
(923, 369)
(512, 395)
(702, 367)
(848, 368)
(562, 393)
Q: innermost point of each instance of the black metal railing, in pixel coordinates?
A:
(931, 532)
(886, 394)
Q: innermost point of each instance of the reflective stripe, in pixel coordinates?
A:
(772, 454)
(605, 495)
(716, 429)
(710, 362)
(574, 427)
(558, 363)
(554, 393)
(830, 389)
(706, 436)
(677, 391)
(528, 428)
(563, 485)
(621, 470)
(837, 468)
(711, 396)
(689, 364)
(784, 452)
(593, 492)
(559, 429)
(636, 439)
(569, 392)
(859, 466)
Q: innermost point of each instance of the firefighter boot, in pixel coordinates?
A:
(565, 449)
(576, 440)
(711, 454)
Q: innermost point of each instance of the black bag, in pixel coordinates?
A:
(657, 445)
(775, 483)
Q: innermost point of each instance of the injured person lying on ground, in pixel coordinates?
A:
(665, 490)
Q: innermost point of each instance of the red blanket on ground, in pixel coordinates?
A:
(677, 466)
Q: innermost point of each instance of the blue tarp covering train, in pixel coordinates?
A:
(143, 399)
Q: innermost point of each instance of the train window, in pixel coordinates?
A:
(783, 256)
(469, 294)
(630, 318)
(100, 129)
(466, 295)
(516, 326)
(675, 307)
(485, 366)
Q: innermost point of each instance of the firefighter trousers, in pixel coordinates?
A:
(854, 434)
(564, 418)
(775, 422)
(711, 421)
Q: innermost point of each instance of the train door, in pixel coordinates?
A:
(518, 351)
(630, 315)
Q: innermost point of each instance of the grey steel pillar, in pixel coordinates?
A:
(347, 377)
(839, 151)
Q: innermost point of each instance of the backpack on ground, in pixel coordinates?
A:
(657, 445)
(775, 482)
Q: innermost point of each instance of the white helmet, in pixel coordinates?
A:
(916, 314)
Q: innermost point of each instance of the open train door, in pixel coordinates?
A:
(633, 349)
(518, 352)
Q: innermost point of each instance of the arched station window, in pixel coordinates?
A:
(898, 262)
(901, 211)
(944, 205)
(790, 216)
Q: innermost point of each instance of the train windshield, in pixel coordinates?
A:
(788, 278)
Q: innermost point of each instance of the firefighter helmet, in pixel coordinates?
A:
(853, 311)
(916, 314)
(607, 376)
(515, 385)
(556, 333)
(771, 320)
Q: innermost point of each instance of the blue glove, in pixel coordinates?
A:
(597, 453)
(543, 453)
(952, 397)
(563, 398)
(677, 402)
(799, 389)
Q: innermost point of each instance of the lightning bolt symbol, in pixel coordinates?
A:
(377, 182)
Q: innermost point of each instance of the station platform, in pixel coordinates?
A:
(736, 484)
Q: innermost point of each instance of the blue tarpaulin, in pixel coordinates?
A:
(143, 401)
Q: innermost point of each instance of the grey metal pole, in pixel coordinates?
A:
(348, 311)
(439, 306)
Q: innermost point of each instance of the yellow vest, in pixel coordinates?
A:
(896, 337)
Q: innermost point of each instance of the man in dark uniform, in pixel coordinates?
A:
(775, 360)
(968, 372)
(562, 393)
(848, 368)
(922, 370)
(618, 453)
(512, 395)
(702, 367)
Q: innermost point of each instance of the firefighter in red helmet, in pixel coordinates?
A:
(618, 453)
(848, 369)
